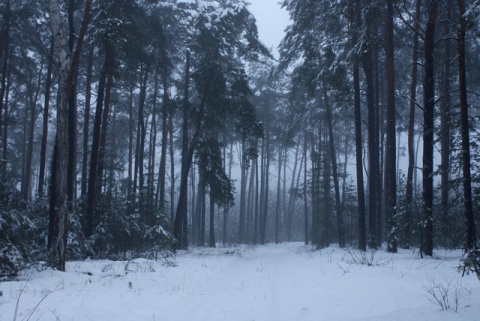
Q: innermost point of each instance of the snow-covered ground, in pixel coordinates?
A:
(285, 282)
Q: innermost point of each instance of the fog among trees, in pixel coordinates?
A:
(131, 128)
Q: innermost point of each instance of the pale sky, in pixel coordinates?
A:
(271, 21)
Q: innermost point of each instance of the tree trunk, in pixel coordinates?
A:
(46, 107)
(68, 70)
(390, 160)
(315, 186)
(368, 66)
(257, 202)
(182, 207)
(411, 135)
(356, 21)
(163, 155)
(86, 122)
(33, 98)
(325, 207)
(293, 187)
(138, 178)
(102, 151)
(211, 235)
(305, 198)
(279, 181)
(172, 169)
(333, 157)
(250, 202)
(95, 148)
(470, 241)
(130, 142)
(243, 189)
(4, 99)
(428, 129)
(445, 132)
(266, 173)
(152, 199)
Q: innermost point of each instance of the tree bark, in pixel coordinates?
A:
(68, 70)
(368, 66)
(72, 113)
(305, 198)
(243, 189)
(279, 181)
(95, 148)
(333, 157)
(356, 21)
(470, 241)
(86, 122)
(182, 207)
(428, 129)
(411, 134)
(445, 124)
(390, 160)
(163, 155)
(293, 187)
(211, 234)
(33, 98)
(4, 98)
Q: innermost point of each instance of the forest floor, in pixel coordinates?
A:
(284, 282)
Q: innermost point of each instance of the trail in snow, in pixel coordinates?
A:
(285, 282)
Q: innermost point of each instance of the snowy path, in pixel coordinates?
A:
(249, 288)
(286, 282)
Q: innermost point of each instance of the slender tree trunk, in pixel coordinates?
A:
(172, 169)
(368, 66)
(243, 188)
(445, 131)
(315, 187)
(333, 157)
(163, 155)
(379, 103)
(103, 134)
(356, 19)
(391, 173)
(138, 180)
(92, 189)
(345, 173)
(305, 198)
(326, 208)
(182, 207)
(72, 112)
(250, 203)
(33, 98)
(411, 134)
(277, 209)
(4, 99)
(470, 241)
(263, 231)
(291, 201)
(46, 107)
(202, 216)
(130, 142)
(152, 200)
(257, 202)
(428, 129)
(3, 168)
(86, 121)
(211, 234)
(226, 208)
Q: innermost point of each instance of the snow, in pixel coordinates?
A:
(284, 282)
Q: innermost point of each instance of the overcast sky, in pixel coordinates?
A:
(271, 21)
